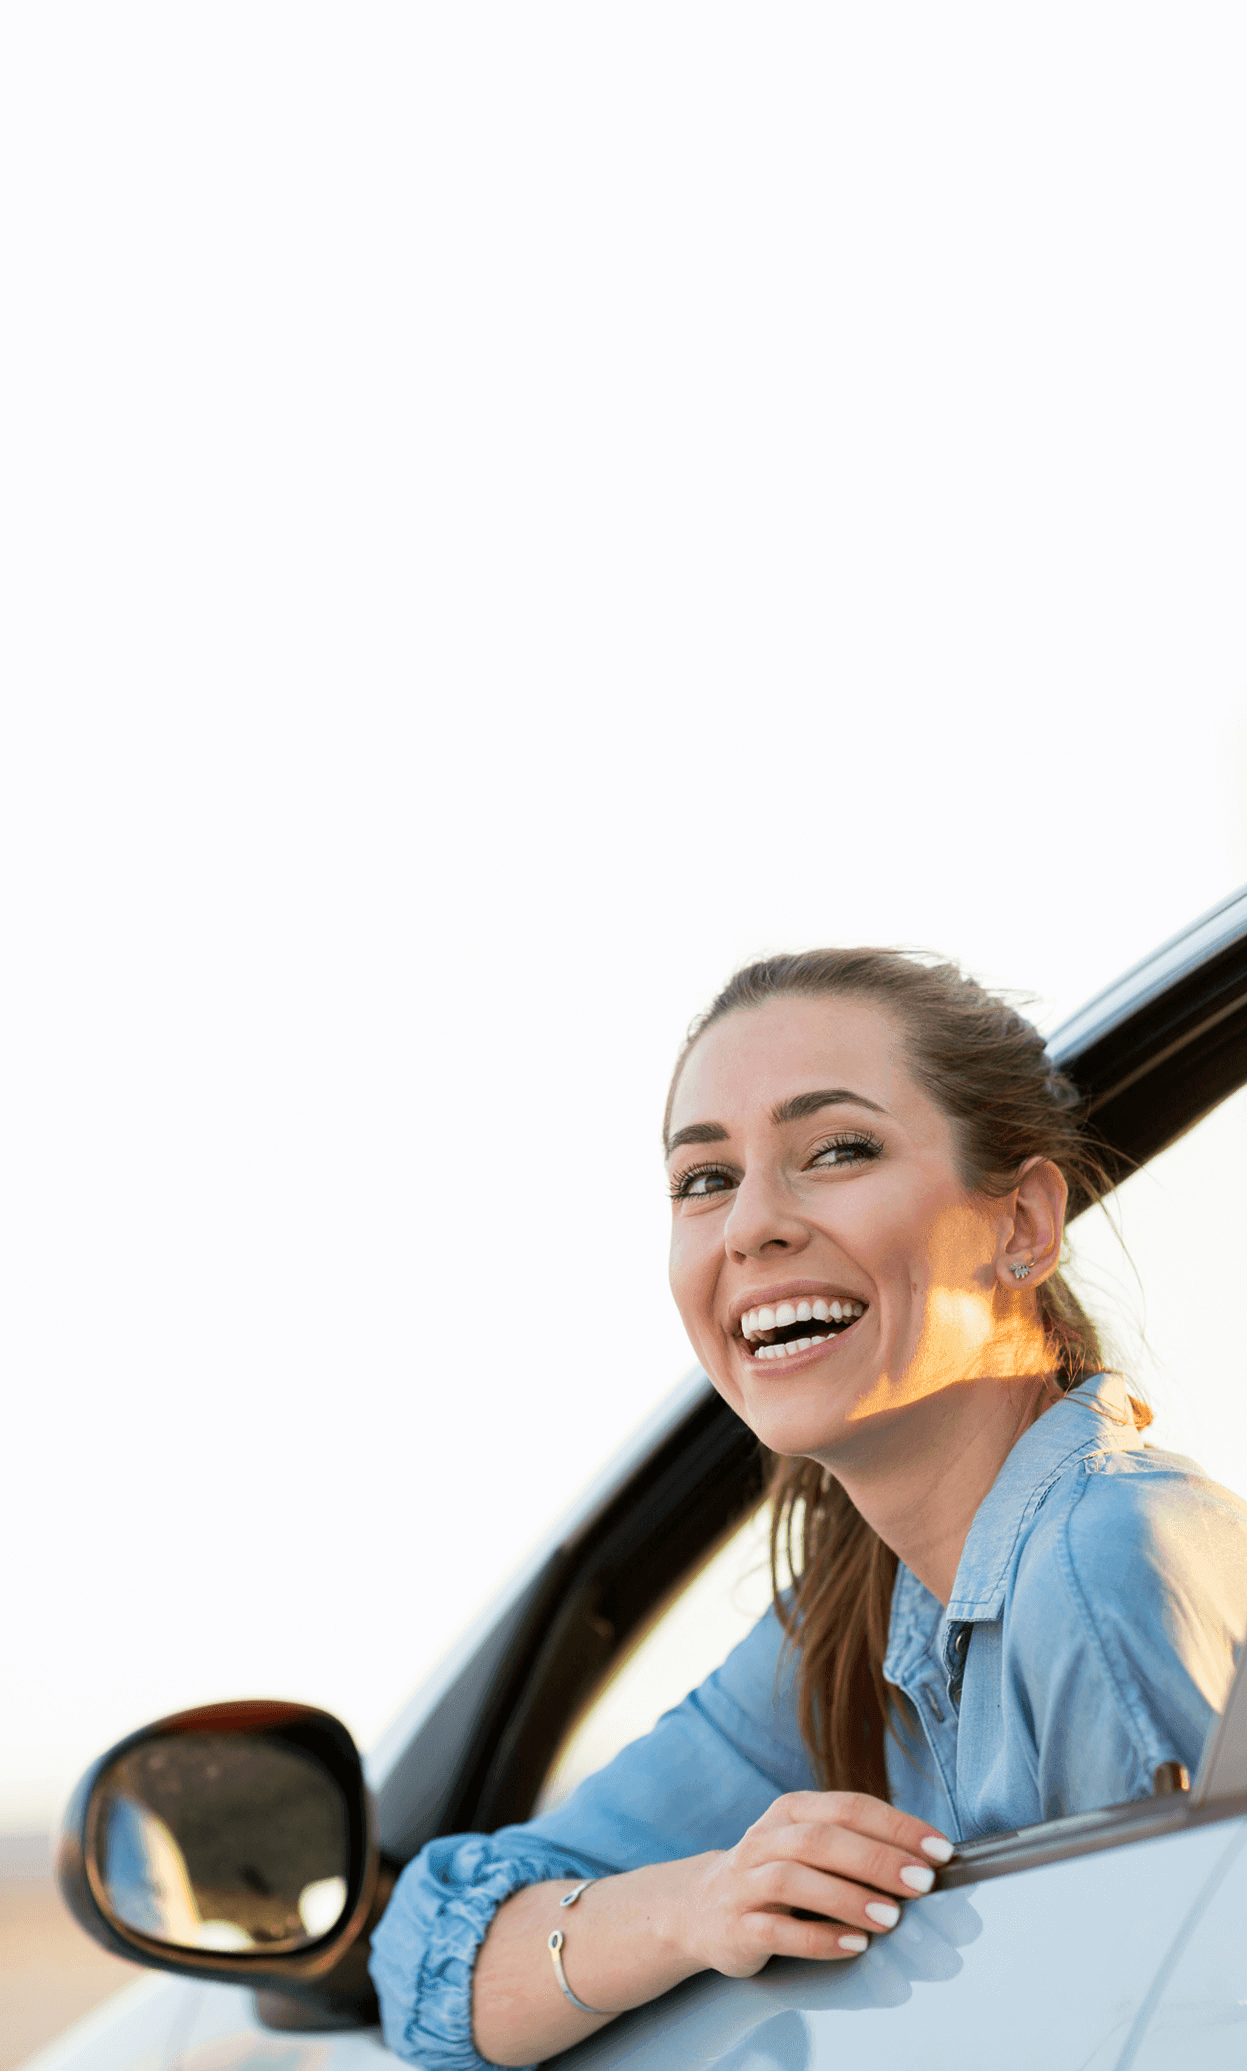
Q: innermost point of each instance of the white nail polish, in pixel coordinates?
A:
(917, 1878)
(937, 1848)
(883, 1911)
(855, 1942)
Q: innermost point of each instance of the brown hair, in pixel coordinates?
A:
(986, 1066)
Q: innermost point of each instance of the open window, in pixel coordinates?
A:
(708, 1614)
(1161, 1267)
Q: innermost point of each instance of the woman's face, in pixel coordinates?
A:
(810, 1174)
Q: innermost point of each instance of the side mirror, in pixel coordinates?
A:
(233, 1842)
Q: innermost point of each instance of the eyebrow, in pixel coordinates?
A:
(796, 1109)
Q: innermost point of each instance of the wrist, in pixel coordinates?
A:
(677, 1919)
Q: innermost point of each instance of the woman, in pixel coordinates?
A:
(1006, 1608)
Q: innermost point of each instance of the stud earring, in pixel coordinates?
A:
(1020, 1272)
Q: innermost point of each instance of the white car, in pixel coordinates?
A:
(243, 1852)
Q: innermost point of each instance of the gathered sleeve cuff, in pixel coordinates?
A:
(424, 1950)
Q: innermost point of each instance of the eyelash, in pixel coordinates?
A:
(852, 1139)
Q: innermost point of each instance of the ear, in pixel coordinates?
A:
(1031, 1233)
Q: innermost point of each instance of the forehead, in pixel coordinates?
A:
(758, 1056)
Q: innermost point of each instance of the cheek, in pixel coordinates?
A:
(939, 1256)
(903, 1240)
(956, 1242)
(881, 1231)
(679, 1264)
(909, 1220)
(691, 1271)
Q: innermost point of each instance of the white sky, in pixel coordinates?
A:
(508, 512)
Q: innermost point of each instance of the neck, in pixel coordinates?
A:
(919, 1474)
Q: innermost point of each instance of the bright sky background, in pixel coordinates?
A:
(508, 512)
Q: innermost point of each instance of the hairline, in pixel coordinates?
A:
(851, 990)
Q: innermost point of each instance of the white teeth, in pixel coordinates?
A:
(755, 1321)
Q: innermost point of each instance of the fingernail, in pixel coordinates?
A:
(855, 1942)
(917, 1876)
(937, 1848)
(880, 1910)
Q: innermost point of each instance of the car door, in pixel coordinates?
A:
(1046, 1969)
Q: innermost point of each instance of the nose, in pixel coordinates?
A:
(763, 1218)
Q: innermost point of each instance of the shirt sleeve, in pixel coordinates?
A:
(1152, 1572)
(709, 1768)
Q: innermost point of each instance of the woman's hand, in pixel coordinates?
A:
(840, 1854)
(635, 1935)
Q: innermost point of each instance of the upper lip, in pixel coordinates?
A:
(791, 1291)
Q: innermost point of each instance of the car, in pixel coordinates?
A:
(245, 1851)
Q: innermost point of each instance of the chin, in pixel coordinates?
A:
(796, 1430)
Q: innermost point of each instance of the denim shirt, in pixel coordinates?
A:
(1091, 1635)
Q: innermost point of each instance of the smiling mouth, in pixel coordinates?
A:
(796, 1326)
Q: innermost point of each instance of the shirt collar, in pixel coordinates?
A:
(1093, 1418)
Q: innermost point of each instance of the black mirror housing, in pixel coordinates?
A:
(250, 1741)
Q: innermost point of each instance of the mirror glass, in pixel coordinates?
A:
(223, 1841)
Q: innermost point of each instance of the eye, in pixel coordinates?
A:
(700, 1181)
(855, 1147)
